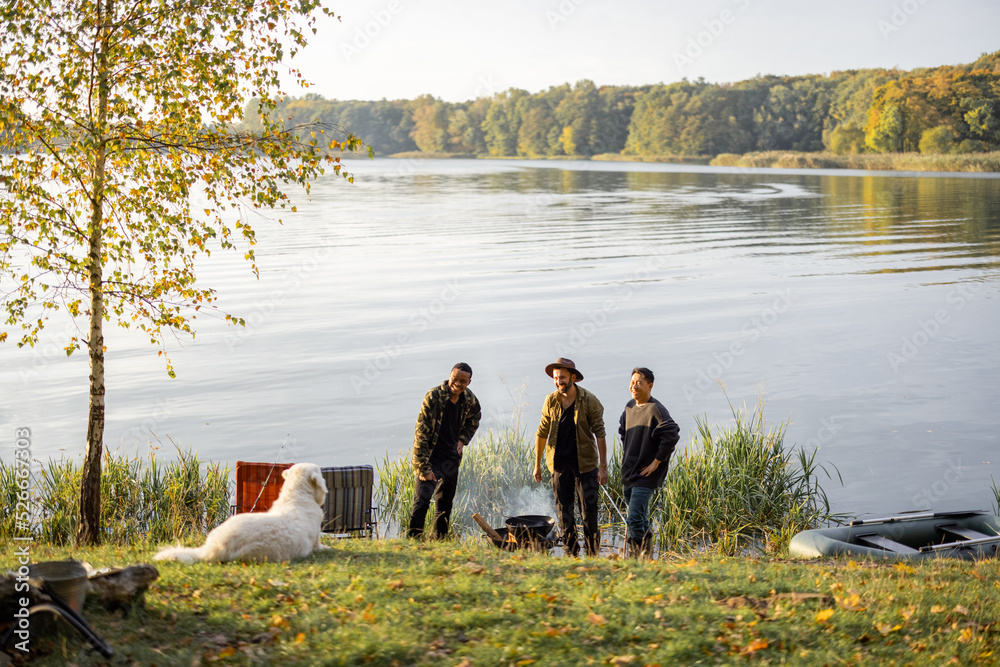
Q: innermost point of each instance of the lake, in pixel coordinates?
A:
(862, 307)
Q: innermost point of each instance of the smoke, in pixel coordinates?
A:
(531, 500)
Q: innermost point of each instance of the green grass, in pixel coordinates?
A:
(395, 602)
(972, 162)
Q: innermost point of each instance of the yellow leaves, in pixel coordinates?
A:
(903, 568)
(622, 660)
(395, 585)
(596, 619)
(227, 652)
(823, 616)
(960, 609)
(907, 613)
(758, 644)
(851, 602)
(965, 636)
(885, 629)
(300, 638)
(938, 609)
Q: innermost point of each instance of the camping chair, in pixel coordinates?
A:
(257, 485)
(348, 507)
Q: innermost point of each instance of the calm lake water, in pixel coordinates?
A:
(863, 307)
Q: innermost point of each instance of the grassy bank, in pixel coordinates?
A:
(973, 162)
(465, 603)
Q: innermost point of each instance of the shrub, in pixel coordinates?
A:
(938, 140)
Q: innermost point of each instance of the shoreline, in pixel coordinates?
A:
(911, 162)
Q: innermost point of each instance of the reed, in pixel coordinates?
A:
(141, 501)
(739, 489)
(729, 490)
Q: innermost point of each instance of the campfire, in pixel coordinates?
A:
(521, 532)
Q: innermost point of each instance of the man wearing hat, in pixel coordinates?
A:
(572, 418)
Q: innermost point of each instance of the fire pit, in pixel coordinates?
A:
(530, 527)
(509, 542)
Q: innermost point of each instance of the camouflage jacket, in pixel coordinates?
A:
(425, 435)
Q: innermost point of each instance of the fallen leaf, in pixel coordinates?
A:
(473, 568)
(395, 585)
(758, 644)
(622, 660)
(959, 609)
(966, 636)
(227, 652)
(904, 568)
(299, 638)
(937, 609)
(824, 616)
(596, 619)
(851, 602)
(884, 628)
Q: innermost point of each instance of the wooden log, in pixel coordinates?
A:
(487, 528)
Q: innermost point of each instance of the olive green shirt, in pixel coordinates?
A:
(589, 417)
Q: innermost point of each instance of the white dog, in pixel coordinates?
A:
(290, 529)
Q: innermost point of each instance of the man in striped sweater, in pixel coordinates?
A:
(648, 436)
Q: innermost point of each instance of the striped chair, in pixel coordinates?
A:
(348, 508)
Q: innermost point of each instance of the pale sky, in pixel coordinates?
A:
(460, 50)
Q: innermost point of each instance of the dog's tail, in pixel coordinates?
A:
(181, 554)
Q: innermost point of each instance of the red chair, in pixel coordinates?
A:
(258, 485)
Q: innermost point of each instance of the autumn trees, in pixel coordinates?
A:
(853, 111)
(124, 164)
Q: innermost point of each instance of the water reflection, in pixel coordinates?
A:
(612, 265)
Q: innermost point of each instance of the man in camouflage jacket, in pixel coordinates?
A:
(447, 421)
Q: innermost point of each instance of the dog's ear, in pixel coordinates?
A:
(284, 473)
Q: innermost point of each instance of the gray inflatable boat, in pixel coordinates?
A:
(973, 534)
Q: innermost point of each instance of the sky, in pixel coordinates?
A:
(459, 50)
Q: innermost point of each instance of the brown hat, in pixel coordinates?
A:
(562, 362)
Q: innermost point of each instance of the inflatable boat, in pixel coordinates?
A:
(973, 534)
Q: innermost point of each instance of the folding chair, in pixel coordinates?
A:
(348, 508)
(257, 485)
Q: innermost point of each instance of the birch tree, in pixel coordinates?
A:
(116, 116)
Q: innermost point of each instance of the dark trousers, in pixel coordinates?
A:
(569, 486)
(442, 492)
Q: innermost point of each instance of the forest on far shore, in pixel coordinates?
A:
(947, 109)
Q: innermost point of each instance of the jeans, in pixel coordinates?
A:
(442, 492)
(637, 519)
(569, 486)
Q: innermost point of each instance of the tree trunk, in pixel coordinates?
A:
(89, 529)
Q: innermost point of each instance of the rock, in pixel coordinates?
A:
(122, 588)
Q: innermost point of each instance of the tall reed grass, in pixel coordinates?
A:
(141, 500)
(732, 490)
